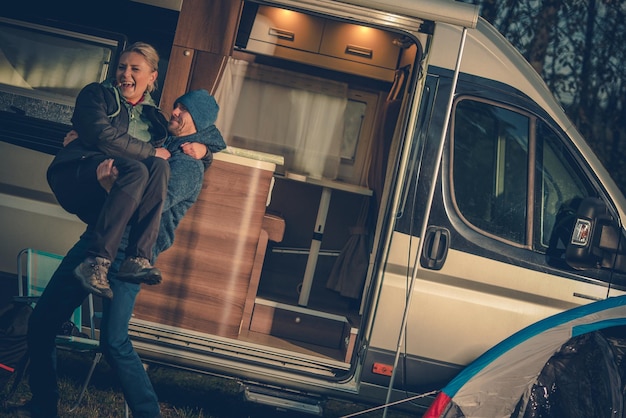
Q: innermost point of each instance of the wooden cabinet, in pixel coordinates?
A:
(361, 44)
(336, 45)
(206, 273)
(287, 28)
(219, 18)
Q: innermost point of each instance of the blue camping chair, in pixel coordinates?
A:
(34, 271)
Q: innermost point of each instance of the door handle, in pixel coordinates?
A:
(435, 249)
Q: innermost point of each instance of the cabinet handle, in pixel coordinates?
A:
(282, 34)
(359, 51)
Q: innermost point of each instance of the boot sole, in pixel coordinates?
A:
(147, 276)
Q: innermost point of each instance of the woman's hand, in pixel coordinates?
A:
(107, 174)
(69, 137)
(162, 153)
(195, 149)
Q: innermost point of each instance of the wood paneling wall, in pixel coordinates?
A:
(205, 37)
(206, 273)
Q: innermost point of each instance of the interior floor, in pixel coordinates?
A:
(281, 281)
(312, 350)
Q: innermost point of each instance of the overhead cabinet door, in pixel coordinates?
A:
(287, 28)
(361, 44)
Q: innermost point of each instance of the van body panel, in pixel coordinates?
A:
(29, 208)
(447, 302)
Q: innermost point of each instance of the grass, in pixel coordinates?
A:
(182, 394)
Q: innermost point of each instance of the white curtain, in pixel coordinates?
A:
(275, 111)
(227, 95)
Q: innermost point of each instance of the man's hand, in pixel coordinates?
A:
(194, 149)
(107, 174)
(162, 153)
(69, 137)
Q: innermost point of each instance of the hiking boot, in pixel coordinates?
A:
(139, 270)
(92, 274)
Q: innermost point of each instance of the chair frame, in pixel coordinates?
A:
(25, 280)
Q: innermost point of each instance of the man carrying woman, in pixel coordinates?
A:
(119, 120)
(189, 151)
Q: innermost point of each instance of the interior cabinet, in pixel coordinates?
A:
(287, 28)
(220, 18)
(337, 45)
(357, 43)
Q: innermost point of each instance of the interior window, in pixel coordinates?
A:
(490, 174)
(321, 127)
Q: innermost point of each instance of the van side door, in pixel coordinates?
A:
(492, 260)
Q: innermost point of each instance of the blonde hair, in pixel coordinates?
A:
(150, 55)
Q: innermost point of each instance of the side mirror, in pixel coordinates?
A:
(595, 240)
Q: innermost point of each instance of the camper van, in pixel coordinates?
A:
(400, 191)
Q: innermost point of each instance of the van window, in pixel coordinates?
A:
(493, 189)
(44, 61)
(490, 169)
(559, 186)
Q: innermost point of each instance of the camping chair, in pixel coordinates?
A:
(34, 271)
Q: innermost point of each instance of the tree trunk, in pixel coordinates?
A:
(545, 30)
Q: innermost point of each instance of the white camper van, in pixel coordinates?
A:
(401, 192)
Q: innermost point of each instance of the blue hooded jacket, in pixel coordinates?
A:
(187, 173)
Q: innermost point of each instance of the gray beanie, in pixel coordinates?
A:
(202, 107)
